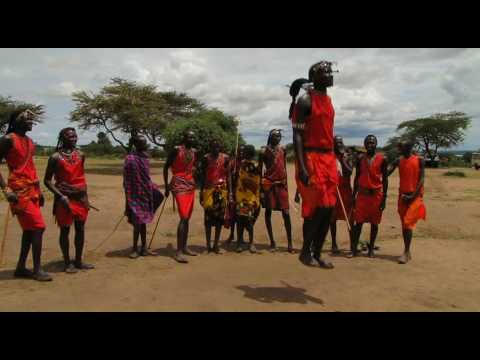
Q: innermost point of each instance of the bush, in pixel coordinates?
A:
(455, 173)
(207, 125)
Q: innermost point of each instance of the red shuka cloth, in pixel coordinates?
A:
(24, 182)
(216, 172)
(71, 173)
(346, 192)
(370, 192)
(274, 182)
(322, 167)
(183, 183)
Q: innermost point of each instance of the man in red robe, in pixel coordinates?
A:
(71, 202)
(23, 191)
(344, 163)
(410, 195)
(215, 192)
(182, 161)
(275, 186)
(369, 193)
(316, 168)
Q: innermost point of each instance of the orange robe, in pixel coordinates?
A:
(410, 213)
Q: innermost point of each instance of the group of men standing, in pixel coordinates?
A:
(323, 175)
(232, 188)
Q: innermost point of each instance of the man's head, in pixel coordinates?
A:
(274, 137)
(407, 147)
(188, 138)
(21, 120)
(215, 146)
(339, 146)
(321, 74)
(67, 138)
(140, 142)
(370, 144)
(241, 149)
(248, 152)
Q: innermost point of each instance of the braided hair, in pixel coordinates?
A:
(294, 90)
(12, 120)
(61, 136)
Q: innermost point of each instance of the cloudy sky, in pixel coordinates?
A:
(374, 91)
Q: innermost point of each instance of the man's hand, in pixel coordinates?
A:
(230, 199)
(200, 197)
(304, 177)
(167, 191)
(41, 200)
(12, 198)
(64, 201)
(383, 204)
(297, 198)
(408, 198)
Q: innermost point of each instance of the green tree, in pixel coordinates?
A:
(207, 125)
(438, 131)
(467, 157)
(8, 105)
(131, 108)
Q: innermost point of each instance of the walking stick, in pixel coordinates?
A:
(5, 232)
(110, 235)
(344, 211)
(156, 225)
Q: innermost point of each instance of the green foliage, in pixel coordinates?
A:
(437, 131)
(131, 108)
(8, 105)
(467, 157)
(207, 125)
(455, 174)
(102, 147)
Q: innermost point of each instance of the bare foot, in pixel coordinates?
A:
(324, 263)
(252, 249)
(405, 258)
(70, 269)
(180, 258)
(188, 252)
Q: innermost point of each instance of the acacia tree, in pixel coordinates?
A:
(8, 106)
(437, 131)
(131, 108)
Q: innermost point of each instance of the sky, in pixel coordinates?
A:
(374, 91)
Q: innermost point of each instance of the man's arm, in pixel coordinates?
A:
(47, 180)
(170, 159)
(261, 161)
(355, 181)
(385, 184)
(202, 176)
(421, 180)
(303, 111)
(393, 166)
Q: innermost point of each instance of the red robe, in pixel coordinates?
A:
(321, 165)
(23, 180)
(274, 182)
(411, 212)
(183, 183)
(70, 176)
(370, 191)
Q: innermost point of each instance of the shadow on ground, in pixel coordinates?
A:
(168, 251)
(281, 294)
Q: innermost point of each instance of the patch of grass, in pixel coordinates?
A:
(455, 173)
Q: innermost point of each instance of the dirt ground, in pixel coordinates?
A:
(444, 274)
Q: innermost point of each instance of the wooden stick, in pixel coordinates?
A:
(344, 211)
(5, 232)
(110, 235)
(156, 225)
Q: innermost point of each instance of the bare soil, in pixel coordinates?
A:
(444, 274)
